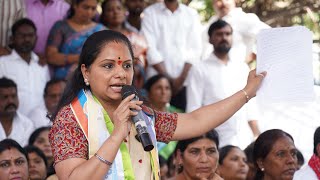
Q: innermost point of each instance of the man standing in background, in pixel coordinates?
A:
(44, 13)
(245, 28)
(218, 77)
(173, 33)
(11, 11)
(135, 8)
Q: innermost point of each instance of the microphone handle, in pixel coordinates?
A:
(142, 131)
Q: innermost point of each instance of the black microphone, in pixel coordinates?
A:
(138, 120)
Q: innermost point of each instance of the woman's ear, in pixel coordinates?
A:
(318, 149)
(84, 71)
(260, 164)
(179, 157)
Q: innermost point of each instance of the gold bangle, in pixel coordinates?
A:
(102, 159)
(246, 94)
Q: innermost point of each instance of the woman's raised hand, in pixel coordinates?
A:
(122, 116)
(254, 82)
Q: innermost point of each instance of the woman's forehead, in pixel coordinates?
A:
(201, 142)
(11, 152)
(115, 51)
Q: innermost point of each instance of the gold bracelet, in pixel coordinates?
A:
(102, 159)
(246, 94)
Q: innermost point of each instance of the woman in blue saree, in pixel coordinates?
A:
(66, 37)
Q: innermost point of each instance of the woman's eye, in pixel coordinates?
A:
(194, 152)
(211, 151)
(236, 158)
(294, 153)
(108, 66)
(37, 161)
(5, 164)
(280, 154)
(20, 162)
(128, 66)
(40, 141)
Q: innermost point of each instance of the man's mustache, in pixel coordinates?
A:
(9, 106)
(224, 42)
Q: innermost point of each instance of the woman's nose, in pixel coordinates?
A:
(121, 73)
(203, 157)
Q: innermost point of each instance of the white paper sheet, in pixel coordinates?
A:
(286, 54)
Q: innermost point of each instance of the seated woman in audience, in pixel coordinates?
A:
(67, 36)
(275, 155)
(37, 163)
(113, 17)
(198, 157)
(13, 161)
(232, 163)
(39, 138)
(159, 90)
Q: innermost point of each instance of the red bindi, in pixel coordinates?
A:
(119, 62)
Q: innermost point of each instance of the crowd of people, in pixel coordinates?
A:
(62, 68)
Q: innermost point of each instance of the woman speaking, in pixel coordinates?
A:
(92, 135)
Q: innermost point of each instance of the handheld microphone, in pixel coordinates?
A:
(138, 120)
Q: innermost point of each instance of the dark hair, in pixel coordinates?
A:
(212, 135)
(7, 144)
(52, 82)
(224, 151)
(36, 133)
(217, 25)
(7, 83)
(264, 144)
(316, 140)
(91, 49)
(33, 149)
(300, 158)
(162, 161)
(20, 22)
(249, 152)
(151, 81)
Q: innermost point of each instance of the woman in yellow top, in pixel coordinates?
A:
(92, 135)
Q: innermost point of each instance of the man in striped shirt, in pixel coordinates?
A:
(10, 12)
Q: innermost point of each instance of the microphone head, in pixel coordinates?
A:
(127, 90)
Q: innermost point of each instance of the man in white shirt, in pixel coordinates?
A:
(52, 95)
(173, 33)
(218, 77)
(312, 170)
(22, 66)
(245, 28)
(13, 125)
